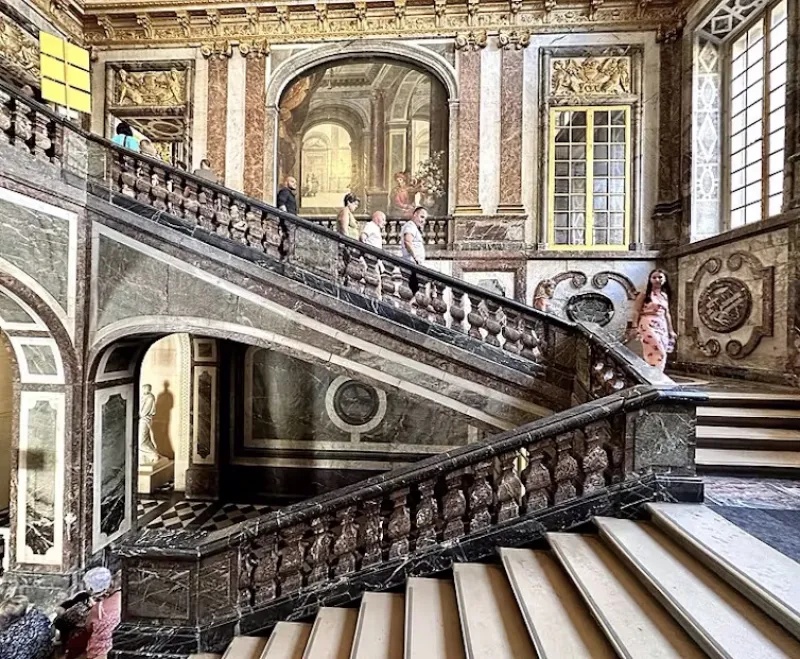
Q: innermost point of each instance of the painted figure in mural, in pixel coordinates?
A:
(287, 196)
(148, 453)
(372, 234)
(544, 295)
(653, 321)
(25, 632)
(346, 220)
(401, 199)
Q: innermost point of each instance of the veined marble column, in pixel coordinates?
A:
(217, 115)
(202, 477)
(469, 129)
(378, 179)
(235, 139)
(511, 129)
(255, 125)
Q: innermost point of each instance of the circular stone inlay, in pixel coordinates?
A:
(590, 308)
(356, 403)
(725, 305)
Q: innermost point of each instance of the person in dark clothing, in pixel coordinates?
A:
(71, 623)
(25, 632)
(287, 196)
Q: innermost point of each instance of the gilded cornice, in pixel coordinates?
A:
(145, 24)
(66, 15)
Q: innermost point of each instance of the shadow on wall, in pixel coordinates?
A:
(165, 402)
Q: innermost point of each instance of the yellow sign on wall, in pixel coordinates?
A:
(65, 73)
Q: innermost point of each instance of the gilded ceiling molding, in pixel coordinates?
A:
(66, 15)
(117, 26)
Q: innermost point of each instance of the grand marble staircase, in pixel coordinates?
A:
(687, 584)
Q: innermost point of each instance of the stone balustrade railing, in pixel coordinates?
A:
(411, 293)
(436, 231)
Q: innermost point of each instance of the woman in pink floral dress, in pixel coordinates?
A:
(653, 321)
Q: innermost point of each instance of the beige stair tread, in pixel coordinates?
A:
(245, 647)
(287, 641)
(332, 634)
(722, 621)
(636, 625)
(205, 655)
(491, 622)
(731, 432)
(720, 457)
(379, 632)
(766, 397)
(432, 629)
(770, 579)
(747, 412)
(558, 620)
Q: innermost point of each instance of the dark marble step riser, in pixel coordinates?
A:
(755, 421)
(750, 444)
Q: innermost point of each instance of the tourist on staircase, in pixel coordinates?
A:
(287, 196)
(25, 632)
(205, 171)
(653, 321)
(346, 220)
(372, 233)
(125, 138)
(412, 245)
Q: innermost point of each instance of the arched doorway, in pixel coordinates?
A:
(396, 115)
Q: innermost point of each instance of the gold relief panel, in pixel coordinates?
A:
(590, 76)
(149, 88)
(19, 51)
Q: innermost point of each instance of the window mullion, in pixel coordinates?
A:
(589, 237)
(765, 121)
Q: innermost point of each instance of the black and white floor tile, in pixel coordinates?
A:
(180, 516)
(146, 506)
(233, 513)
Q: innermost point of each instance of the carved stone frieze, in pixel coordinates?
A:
(149, 88)
(590, 76)
(725, 304)
(19, 51)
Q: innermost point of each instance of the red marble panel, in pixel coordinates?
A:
(511, 128)
(217, 114)
(469, 128)
(254, 124)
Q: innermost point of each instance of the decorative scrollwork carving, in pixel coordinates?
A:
(590, 76)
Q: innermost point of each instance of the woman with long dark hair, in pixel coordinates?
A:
(653, 321)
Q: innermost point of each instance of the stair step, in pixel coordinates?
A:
(379, 633)
(752, 399)
(557, 618)
(636, 625)
(332, 634)
(491, 622)
(722, 621)
(287, 641)
(738, 459)
(750, 416)
(766, 577)
(747, 438)
(205, 655)
(245, 647)
(432, 629)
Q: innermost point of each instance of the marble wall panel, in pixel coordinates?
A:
(663, 438)
(511, 129)
(469, 129)
(113, 449)
(771, 353)
(217, 115)
(39, 360)
(12, 313)
(204, 424)
(255, 127)
(40, 479)
(236, 118)
(490, 139)
(155, 590)
(217, 594)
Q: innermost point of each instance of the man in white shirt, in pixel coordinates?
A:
(412, 246)
(371, 233)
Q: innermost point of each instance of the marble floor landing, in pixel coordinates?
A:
(177, 513)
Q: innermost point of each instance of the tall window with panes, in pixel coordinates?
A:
(756, 84)
(589, 181)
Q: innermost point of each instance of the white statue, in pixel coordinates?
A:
(148, 453)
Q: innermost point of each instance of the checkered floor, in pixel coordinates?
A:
(233, 513)
(146, 506)
(180, 516)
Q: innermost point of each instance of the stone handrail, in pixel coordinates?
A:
(303, 247)
(425, 509)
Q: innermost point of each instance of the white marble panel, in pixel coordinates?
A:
(101, 398)
(234, 142)
(530, 129)
(103, 375)
(489, 169)
(208, 411)
(33, 370)
(36, 323)
(41, 470)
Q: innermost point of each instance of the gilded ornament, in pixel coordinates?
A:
(590, 76)
(252, 20)
(473, 41)
(321, 14)
(144, 21)
(107, 26)
(515, 40)
(472, 10)
(185, 23)
(217, 49)
(212, 15)
(439, 10)
(254, 49)
(19, 50)
(283, 18)
(400, 12)
(151, 88)
(594, 5)
(361, 14)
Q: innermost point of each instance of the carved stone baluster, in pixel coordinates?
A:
(493, 324)
(23, 130)
(190, 203)
(537, 481)
(206, 210)
(41, 135)
(615, 452)
(274, 236)
(530, 341)
(475, 317)
(427, 514)
(422, 298)
(175, 197)
(509, 487)
(128, 175)
(223, 215)
(454, 506)
(292, 555)
(5, 118)
(565, 470)
(319, 552)
(438, 304)
(346, 544)
(255, 229)
(388, 284)
(399, 527)
(372, 277)
(159, 191)
(511, 332)
(57, 135)
(404, 288)
(144, 182)
(238, 227)
(481, 497)
(372, 533)
(354, 271)
(595, 460)
(266, 557)
(245, 581)
(457, 311)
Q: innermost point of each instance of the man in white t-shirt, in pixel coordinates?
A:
(412, 246)
(371, 233)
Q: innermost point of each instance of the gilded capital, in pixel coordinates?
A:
(514, 40)
(472, 41)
